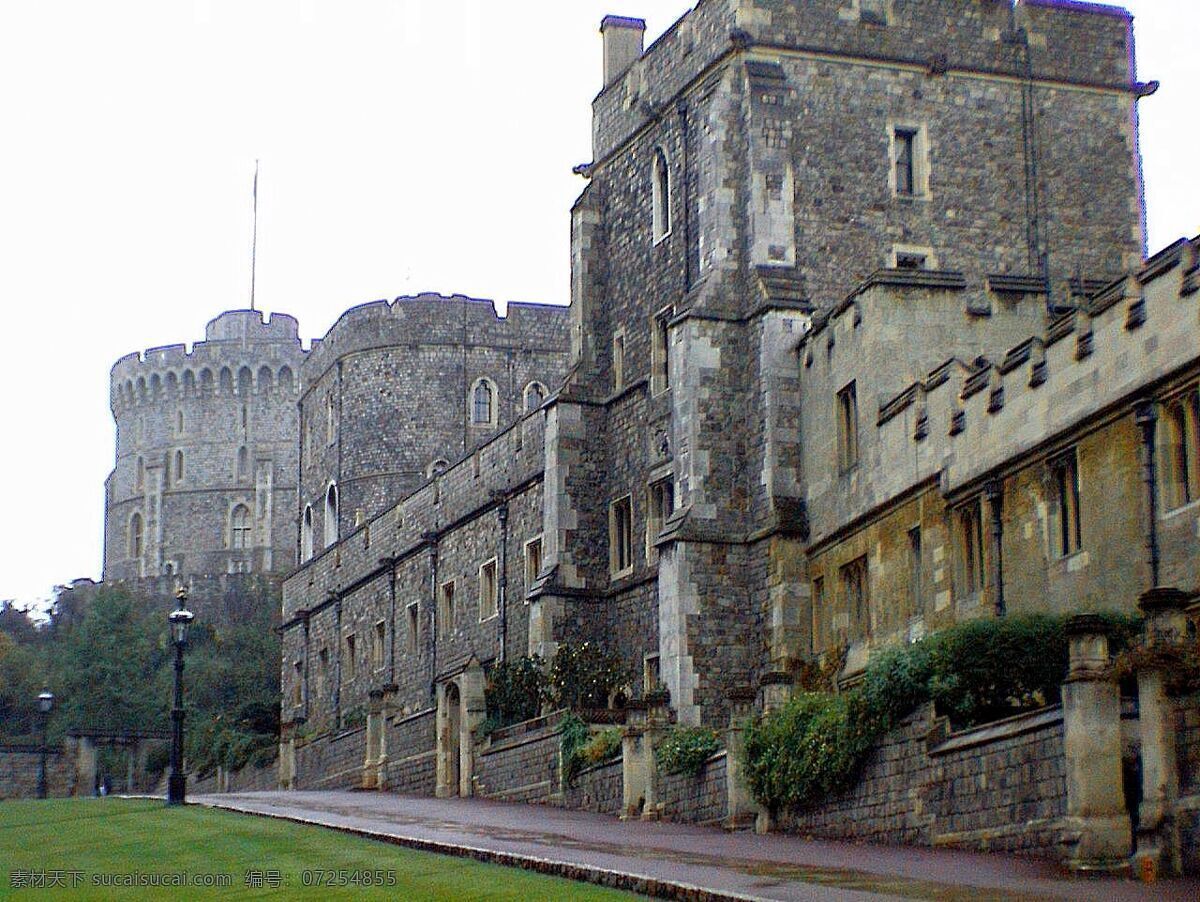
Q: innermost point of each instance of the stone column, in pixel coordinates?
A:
(287, 763)
(658, 720)
(742, 809)
(636, 761)
(775, 688)
(1097, 822)
(370, 769)
(85, 779)
(1158, 849)
(471, 684)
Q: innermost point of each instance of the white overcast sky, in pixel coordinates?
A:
(406, 145)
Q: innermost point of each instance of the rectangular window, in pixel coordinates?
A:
(847, 428)
(651, 673)
(620, 536)
(855, 592)
(660, 352)
(970, 543)
(1065, 472)
(873, 12)
(412, 629)
(618, 361)
(916, 601)
(818, 614)
(905, 140)
(660, 505)
(298, 683)
(446, 610)
(379, 645)
(533, 562)
(351, 655)
(1179, 450)
(488, 590)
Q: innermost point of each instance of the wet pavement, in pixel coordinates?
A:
(678, 860)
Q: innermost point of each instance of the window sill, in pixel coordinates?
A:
(615, 575)
(662, 238)
(489, 617)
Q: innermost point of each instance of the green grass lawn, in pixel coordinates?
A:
(96, 837)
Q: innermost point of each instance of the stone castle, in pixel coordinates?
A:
(863, 341)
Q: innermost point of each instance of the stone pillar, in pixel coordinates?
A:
(1097, 823)
(370, 768)
(775, 689)
(658, 720)
(474, 713)
(637, 759)
(1158, 849)
(85, 767)
(287, 763)
(742, 809)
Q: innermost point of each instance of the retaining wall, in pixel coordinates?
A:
(700, 799)
(521, 763)
(19, 768)
(998, 787)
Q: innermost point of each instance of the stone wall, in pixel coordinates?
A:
(247, 779)
(411, 758)
(521, 763)
(701, 799)
(999, 787)
(598, 789)
(20, 766)
(331, 761)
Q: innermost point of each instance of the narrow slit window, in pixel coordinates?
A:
(413, 624)
(488, 606)
(1065, 471)
(620, 523)
(847, 427)
(970, 525)
(857, 599)
(661, 176)
(906, 162)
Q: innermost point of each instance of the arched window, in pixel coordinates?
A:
(661, 179)
(306, 535)
(135, 536)
(243, 463)
(178, 465)
(179, 422)
(265, 380)
(245, 381)
(239, 527)
(535, 394)
(483, 403)
(1181, 457)
(441, 465)
(139, 478)
(331, 515)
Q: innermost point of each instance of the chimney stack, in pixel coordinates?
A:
(624, 40)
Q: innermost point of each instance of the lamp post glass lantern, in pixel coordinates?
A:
(45, 706)
(179, 619)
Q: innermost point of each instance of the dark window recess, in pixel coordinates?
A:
(906, 141)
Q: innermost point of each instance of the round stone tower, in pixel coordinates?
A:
(206, 462)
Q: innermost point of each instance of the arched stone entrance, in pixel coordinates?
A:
(460, 710)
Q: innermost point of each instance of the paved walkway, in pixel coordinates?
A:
(685, 862)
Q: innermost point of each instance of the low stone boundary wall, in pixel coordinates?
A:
(701, 799)
(996, 787)
(521, 763)
(332, 761)
(247, 779)
(411, 755)
(20, 766)
(598, 789)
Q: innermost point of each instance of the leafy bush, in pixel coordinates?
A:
(685, 749)
(975, 672)
(581, 748)
(514, 692)
(584, 676)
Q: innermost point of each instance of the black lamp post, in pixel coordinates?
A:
(179, 619)
(45, 706)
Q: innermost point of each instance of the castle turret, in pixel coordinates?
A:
(205, 477)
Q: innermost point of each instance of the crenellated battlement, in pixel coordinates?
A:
(433, 319)
(967, 418)
(1068, 43)
(243, 354)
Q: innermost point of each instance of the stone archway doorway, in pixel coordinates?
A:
(451, 741)
(460, 710)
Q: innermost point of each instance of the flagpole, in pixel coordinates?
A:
(254, 240)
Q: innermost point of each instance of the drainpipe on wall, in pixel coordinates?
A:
(684, 126)
(1146, 414)
(994, 492)
(304, 699)
(502, 582)
(431, 539)
(391, 564)
(337, 663)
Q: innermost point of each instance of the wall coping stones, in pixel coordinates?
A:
(1001, 729)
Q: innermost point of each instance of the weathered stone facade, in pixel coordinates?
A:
(205, 477)
(850, 358)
